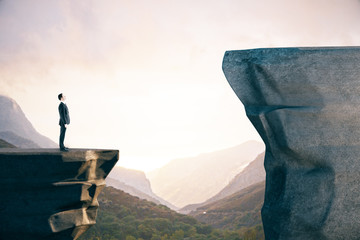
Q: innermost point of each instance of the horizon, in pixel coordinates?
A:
(146, 77)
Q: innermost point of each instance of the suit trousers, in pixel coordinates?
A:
(62, 135)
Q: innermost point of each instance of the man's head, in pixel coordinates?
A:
(61, 97)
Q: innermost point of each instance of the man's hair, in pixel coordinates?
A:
(60, 96)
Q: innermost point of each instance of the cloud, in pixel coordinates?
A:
(98, 42)
(148, 59)
(163, 34)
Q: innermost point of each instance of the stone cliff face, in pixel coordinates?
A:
(48, 194)
(305, 104)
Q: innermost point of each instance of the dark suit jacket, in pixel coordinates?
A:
(64, 114)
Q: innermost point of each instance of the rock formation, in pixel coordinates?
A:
(48, 194)
(305, 104)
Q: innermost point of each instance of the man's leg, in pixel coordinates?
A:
(62, 136)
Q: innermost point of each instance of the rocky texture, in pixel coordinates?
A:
(16, 129)
(48, 194)
(305, 104)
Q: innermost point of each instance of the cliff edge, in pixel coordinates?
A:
(305, 104)
(48, 194)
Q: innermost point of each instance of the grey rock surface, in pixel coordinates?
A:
(48, 194)
(305, 104)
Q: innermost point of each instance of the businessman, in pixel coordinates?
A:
(64, 121)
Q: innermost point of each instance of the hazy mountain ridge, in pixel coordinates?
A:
(135, 183)
(196, 179)
(252, 174)
(125, 217)
(14, 126)
(17, 140)
(5, 144)
(239, 210)
(132, 177)
(129, 189)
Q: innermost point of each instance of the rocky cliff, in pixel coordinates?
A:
(305, 104)
(48, 194)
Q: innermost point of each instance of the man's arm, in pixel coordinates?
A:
(62, 113)
(66, 115)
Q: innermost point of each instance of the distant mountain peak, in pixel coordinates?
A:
(5, 144)
(134, 182)
(13, 122)
(196, 179)
(252, 174)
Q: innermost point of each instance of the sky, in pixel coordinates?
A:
(145, 77)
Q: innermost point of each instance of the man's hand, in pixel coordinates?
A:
(66, 125)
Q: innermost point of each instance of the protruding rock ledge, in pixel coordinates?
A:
(48, 194)
(305, 104)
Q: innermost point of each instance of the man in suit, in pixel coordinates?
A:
(64, 121)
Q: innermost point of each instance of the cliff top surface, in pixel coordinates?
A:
(53, 151)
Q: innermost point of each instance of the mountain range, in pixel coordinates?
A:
(16, 129)
(125, 217)
(196, 179)
(130, 190)
(135, 183)
(230, 181)
(239, 210)
(252, 174)
(4, 144)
